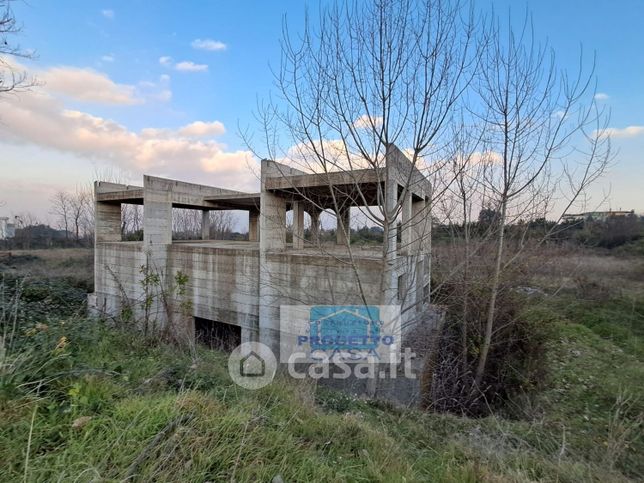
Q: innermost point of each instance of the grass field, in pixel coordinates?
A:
(80, 401)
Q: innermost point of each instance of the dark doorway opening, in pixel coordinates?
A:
(217, 335)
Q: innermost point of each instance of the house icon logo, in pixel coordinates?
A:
(252, 365)
(344, 327)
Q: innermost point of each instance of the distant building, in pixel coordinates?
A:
(7, 230)
(595, 216)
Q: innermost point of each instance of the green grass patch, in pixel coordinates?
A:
(83, 401)
(110, 395)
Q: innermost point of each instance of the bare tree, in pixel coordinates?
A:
(186, 224)
(535, 119)
(369, 76)
(61, 209)
(221, 224)
(376, 74)
(11, 78)
(80, 202)
(131, 219)
(74, 213)
(26, 222)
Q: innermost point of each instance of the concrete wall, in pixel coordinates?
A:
(289, 278)
(117, 272)
(222, 284)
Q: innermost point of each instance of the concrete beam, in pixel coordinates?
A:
(322, 180)
(134, 196)
(101, 187)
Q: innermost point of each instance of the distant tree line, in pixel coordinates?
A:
(72, 224)
(610, 232)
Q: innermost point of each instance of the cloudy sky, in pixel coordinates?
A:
(126, 88)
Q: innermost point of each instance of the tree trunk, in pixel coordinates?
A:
(489, 324)
(465, 287)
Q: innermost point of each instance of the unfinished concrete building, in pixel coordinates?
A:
(240, 285)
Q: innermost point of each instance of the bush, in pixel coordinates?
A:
(516, 360)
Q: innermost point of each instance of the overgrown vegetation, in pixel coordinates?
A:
(594, 293)
(83, 401)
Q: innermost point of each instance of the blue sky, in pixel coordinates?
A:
(151, 74)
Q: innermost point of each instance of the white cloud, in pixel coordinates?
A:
(88, 85)
(156, 91)
(40, 118)
(320, 156)
(208, 44)
(487, 158)
(627, 132)
(200, 129)
(107, 13)
(189, 66)
(184, 66)
(108, 58)
(164, 96)
(601, 96)
(366, 122)
(197, 129)
(165, 61)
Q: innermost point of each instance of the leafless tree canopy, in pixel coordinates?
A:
(74, 213)
(477, 104)
(368, 75)
(186, 224)
(11, 78)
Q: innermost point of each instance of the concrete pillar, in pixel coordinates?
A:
(343, 228)
(406, 227)
(107, 222)
(107, 228)
(315, 226)
(420, 226)
(298, 225)
(253, 225)
(272, 222)
(157, 237)
(272, 238)
(157, 214)
(205, 225)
